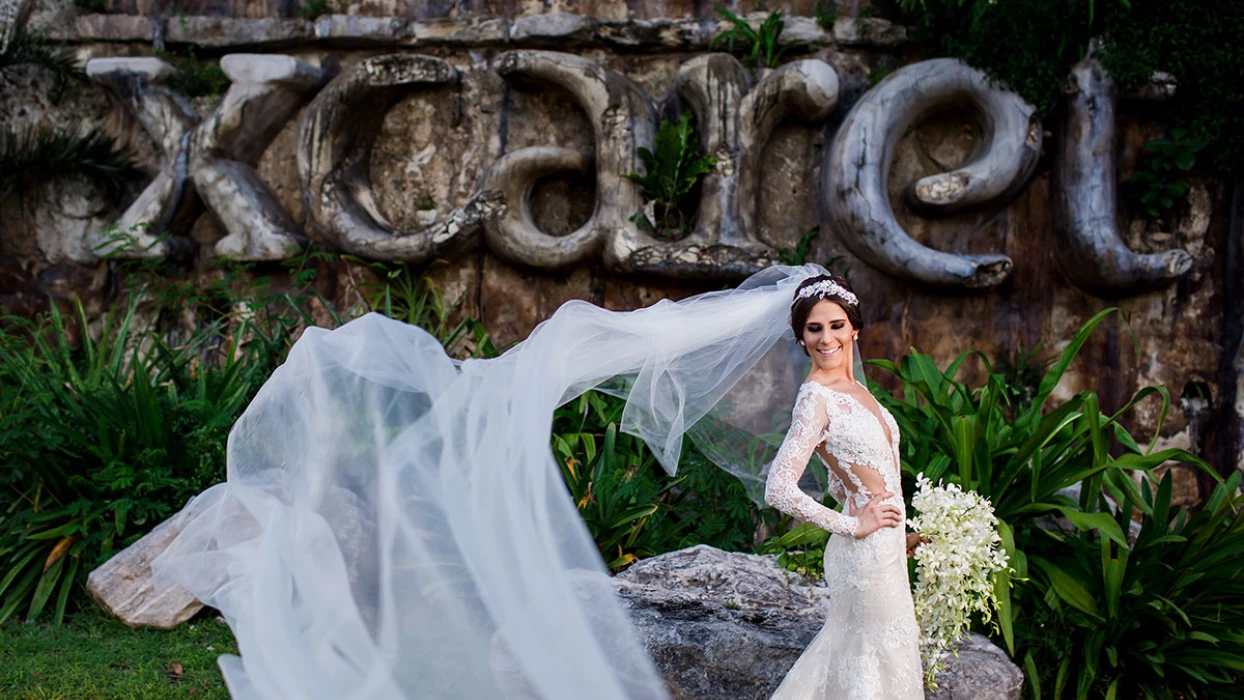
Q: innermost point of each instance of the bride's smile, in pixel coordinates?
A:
(828, 332)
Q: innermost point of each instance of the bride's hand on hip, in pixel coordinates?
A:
(876, 515)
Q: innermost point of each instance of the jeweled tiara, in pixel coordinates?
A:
(826, 288)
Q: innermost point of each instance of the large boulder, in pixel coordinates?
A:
(728, 626)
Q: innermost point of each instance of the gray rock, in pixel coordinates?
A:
(1087, 241)
(123, 585)
(729, 625)
(351, 29)
(337, 137)
(868, 31)
(474, 32)
(224, 32)
(153, 70)
(647, 34)
(805, 29)
(981, 671)
(558, 26)
(110, 28)
(168, 120)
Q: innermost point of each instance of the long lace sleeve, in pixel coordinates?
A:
(782, 487)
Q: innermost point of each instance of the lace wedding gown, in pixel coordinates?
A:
(868, 648)
(395, 526)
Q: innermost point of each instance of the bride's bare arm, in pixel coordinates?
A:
(782, 488)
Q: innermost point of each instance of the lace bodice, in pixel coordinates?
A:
(843, 428)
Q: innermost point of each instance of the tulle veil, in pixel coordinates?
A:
(394, 525)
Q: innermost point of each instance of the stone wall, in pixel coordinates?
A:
(432, 171)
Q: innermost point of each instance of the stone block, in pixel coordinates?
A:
(123, 585)
(355, 30)
(488, 31)
(153, 70)
(105, 28)
(868, 31)
(684, 35)
(269, 68)
(805, 29)
(224, 32)
(555, 28)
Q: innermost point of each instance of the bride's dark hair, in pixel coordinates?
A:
(802, 307)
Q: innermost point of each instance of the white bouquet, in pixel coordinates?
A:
(955, 565)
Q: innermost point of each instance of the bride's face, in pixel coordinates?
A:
(827, 334)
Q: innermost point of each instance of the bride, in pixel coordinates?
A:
(394, 525)
(869, 645)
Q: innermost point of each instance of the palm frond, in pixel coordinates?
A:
(34, 156)
(26, 49)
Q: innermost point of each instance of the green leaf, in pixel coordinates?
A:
(47, 584)
(1068, 589)
(1101, 522)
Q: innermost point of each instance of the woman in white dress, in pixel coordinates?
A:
(868, 648)
(395, 525)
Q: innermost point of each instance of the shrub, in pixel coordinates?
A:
(1157, 180)
(632, 508)
(1158, 617)
(104, 438)
(1025, 465)
(196, 77)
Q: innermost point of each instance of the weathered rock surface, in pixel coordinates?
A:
(557, 28)
(123, 585)
(857, 165)
(436, 144)
(1092, 251)
(980, 671)
(729, 625)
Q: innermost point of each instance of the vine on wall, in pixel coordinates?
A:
(1029, 46)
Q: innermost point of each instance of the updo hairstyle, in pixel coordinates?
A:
(802, 307)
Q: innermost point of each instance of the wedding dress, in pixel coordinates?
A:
(868, 648)
(394, 524)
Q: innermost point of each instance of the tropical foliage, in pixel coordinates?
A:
(631, 507)
(1157, 181)
(1025, 466)
(671, 175)
(109, 428)
(102, 439)
(1154, 616)
(756, 48)
(196, 77)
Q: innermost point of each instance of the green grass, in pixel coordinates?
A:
(94, 656)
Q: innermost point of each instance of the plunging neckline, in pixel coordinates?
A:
(879, 417)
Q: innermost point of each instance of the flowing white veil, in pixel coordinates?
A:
(394, 524)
